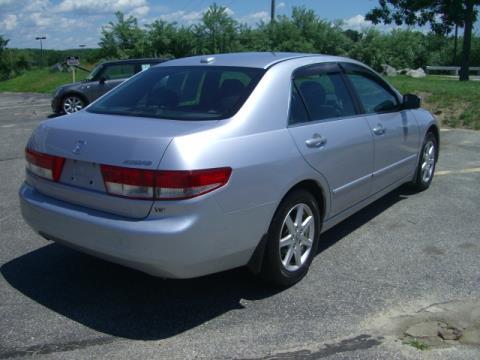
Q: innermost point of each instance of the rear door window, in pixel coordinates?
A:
(298, 112)
(182, 93)
(323, 92)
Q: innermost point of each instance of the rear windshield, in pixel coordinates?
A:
(182, 93)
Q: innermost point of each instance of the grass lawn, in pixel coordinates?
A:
(455, 103)
(40, 81)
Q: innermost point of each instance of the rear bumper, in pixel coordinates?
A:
(200, 242)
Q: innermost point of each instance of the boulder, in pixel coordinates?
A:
(419, 73)
(56, 68)
(389, 70)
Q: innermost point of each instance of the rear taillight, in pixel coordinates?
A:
(133, 183)
(188, 184)
(162, 184)
(44, 165)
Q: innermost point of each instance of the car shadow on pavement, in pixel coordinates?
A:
(115, 300)
(362, 217)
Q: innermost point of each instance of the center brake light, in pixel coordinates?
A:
(162, 184)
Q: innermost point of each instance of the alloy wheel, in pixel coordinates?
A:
(428, 161)
(296, 237)
(72, 104)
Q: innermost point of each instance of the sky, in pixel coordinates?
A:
(68, 24)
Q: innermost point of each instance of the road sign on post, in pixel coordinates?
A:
(73, 61)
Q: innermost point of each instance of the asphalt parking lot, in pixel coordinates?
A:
(405, 260)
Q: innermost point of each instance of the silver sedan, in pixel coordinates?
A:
(204, 164)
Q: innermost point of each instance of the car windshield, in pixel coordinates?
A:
(182, 93)
(94, 72)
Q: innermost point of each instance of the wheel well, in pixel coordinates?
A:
(434, 130)
(315, 189)
(256, 261)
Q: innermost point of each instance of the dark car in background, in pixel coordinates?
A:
(104, 77)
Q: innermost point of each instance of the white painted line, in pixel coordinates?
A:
(461, 171)
(8, 125)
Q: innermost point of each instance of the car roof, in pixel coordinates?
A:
(135, 61)
(247, 59)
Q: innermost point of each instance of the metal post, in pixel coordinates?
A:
(272, 11)
(467, 39)
(41, 46)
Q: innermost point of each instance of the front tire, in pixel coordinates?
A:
(292, 239)
(427, 163)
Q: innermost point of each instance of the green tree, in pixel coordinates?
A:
(160, 38)
(184, 43)
(22, 63)
(353, 35)
(304, 31)
(218, 30)
(3, 44)
(371, 49)
(123, 38)
(442, 15)
(4, 63)
(253, 39)
(285, 36)
(410, 47)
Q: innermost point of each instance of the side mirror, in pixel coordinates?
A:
(102, 80)
(411, 101)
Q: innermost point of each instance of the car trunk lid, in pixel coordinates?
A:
(88, 140)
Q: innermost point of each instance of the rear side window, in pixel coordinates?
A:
(182, 93)
(373, 96)
(118, 71)
(298, 113)
(325, 95)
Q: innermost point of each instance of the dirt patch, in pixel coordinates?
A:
(446, 114)
(436, 326)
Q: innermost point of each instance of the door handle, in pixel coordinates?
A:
(316, 141)
(379, 130)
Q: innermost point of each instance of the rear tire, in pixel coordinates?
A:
(292, 239)
(426, 165)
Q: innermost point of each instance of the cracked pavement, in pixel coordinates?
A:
(401, 254)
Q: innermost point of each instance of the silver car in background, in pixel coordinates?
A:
(208, 163)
